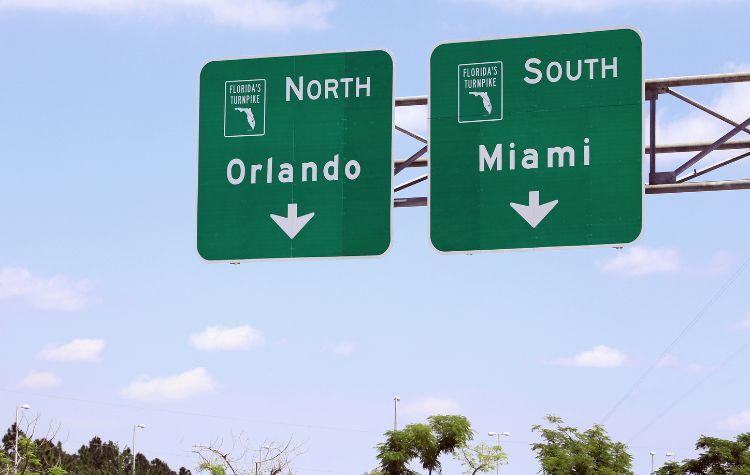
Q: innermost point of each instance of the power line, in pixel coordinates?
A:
(701, 313)
(233, 418)
(190, 413)
(186, 454)
(691, 390)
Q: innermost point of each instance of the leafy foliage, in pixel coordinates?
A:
(452, 432)
(565, 450)
(481, 458)
(43, 456)
(425, 442)
(670, 468)
(212, 468)
(270, 458)
(718, 457)
(425, 445)
(395, 453)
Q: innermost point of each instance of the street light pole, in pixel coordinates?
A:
(652, 453)
(396, 399)
(498, 434)
(670, 455)
(135, 427)
(15, 451)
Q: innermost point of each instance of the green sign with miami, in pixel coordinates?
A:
(536, 142)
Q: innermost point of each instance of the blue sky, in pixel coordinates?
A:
(108, 317)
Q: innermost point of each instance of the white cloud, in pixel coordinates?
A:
(273, 15)
(581, 6)
(218, 338)
(78, 350)
(740, 421)
(39, 380)
(432, 406)
(412, 118)
(638, 261)
(52, 293)
(600, 356)
(720, 263)
(344, 348)
(744, 324)
(180, 386)
(676, 363)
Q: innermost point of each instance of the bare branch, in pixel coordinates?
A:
(270, 458)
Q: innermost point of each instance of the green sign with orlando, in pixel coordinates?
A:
(294, 156)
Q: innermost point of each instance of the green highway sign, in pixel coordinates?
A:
(294, 156)
(536, 142)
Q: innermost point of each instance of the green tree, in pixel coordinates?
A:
(670, 468)
(425, 442)
(717, 457)
(28, 462)
(394, 454)
(102, 458)
(271, 458)
(44, 456)
(481, 458)
(5, 462)
(53, 456)
(425, 445)
(452, 432)
(565, 450)
(159, 467)
(212, 468)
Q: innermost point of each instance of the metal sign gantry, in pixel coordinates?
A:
(679, 180)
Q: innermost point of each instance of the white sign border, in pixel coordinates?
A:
(265, 101)
(546, 248)
(391, 161)
(502, 94)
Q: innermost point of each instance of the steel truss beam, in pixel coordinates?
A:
(659, 182)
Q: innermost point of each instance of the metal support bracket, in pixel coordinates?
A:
(658, 182)
(662, 178)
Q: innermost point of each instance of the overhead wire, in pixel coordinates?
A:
(188, 413)
(698, 316)
(691, 390)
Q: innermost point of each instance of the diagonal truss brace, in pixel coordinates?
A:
(705, 109)
(722, 140)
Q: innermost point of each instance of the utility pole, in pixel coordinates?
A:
(498, 434)
(396, 399)
(15, 451)
(135, 427)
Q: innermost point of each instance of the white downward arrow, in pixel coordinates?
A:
(292, 224)
(534, 213)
